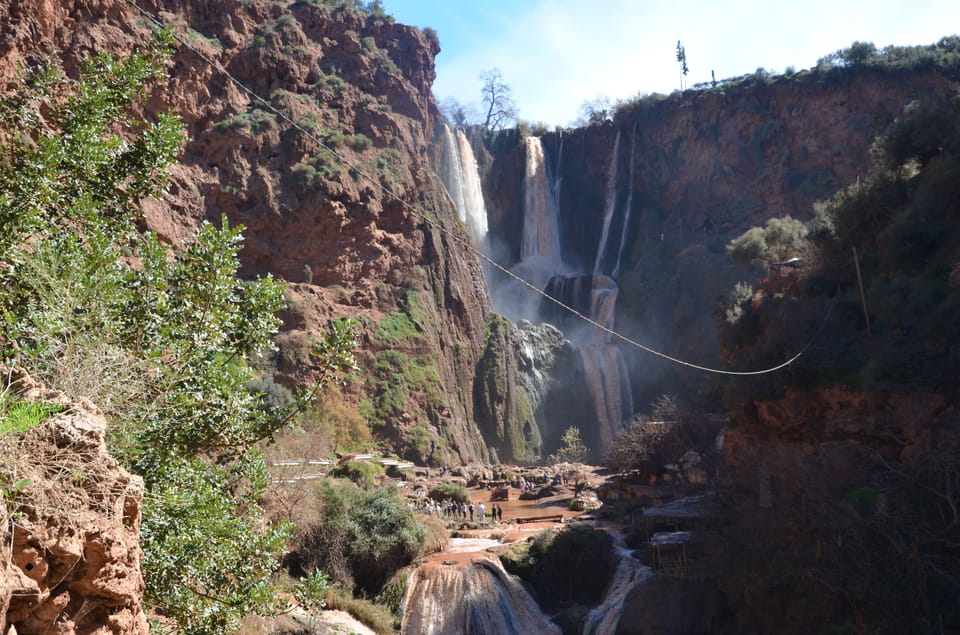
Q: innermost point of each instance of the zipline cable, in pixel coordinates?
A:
(465, 242)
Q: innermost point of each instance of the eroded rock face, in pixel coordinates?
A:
(72, 527)
(350, 230)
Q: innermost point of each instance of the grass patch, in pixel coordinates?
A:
(406, 323)
(18, 416)
(377, 616)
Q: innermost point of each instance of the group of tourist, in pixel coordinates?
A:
(455, 510)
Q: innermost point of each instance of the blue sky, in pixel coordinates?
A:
(556, 54)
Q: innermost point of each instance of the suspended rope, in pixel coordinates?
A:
(464, 241)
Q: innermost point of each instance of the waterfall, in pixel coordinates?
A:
(628, 206)
(475, 212)
(609, 208)
(605, 373)
(605, 618)
(592, 293)
(541, 238)
(461, 177)
(476, 597)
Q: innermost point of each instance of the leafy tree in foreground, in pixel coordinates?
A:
(163, 347)
(363, 537)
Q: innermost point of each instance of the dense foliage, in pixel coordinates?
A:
(162, 339)
(363, 537)
(565, 566)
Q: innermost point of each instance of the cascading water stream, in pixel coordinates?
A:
(477, 597)
(541, 238)
(627, 207)
(609, 209)
(462, 180)
(593, 294)
(604, 619)
(475, 212)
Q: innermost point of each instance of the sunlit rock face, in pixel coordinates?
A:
(349, 233)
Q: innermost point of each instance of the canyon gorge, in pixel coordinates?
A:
(508, 286)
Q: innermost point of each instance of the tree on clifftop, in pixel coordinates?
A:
(497, 100)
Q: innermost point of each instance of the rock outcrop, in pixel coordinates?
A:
(70, 561)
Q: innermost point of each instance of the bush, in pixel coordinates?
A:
(363, 538)
(164, 344)
(363, 473)
(780, 239)
(573, 450)
(450, 491)
(656, 438)
(565, 566)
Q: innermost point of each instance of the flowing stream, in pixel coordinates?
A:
(603, 619)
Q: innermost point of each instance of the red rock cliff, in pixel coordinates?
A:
(367, 233)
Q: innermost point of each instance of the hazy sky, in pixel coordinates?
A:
(555, 54)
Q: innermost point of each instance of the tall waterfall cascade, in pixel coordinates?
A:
(541, 237)
(461, 177)
(609, 208)
(592, 293)
(540, 254)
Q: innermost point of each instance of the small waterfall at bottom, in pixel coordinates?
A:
(604, 619)
(475, 598)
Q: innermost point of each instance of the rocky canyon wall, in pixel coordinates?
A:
(706, 166)
(366, 231)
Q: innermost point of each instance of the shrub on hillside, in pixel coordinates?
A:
(449, 491)
(362, 539)
(564, 566)
(364, 474)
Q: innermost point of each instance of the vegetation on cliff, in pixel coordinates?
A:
(161, 339)
(870, 505)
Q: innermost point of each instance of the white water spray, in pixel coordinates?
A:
(462, 180)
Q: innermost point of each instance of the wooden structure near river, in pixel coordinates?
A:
(683, 537)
